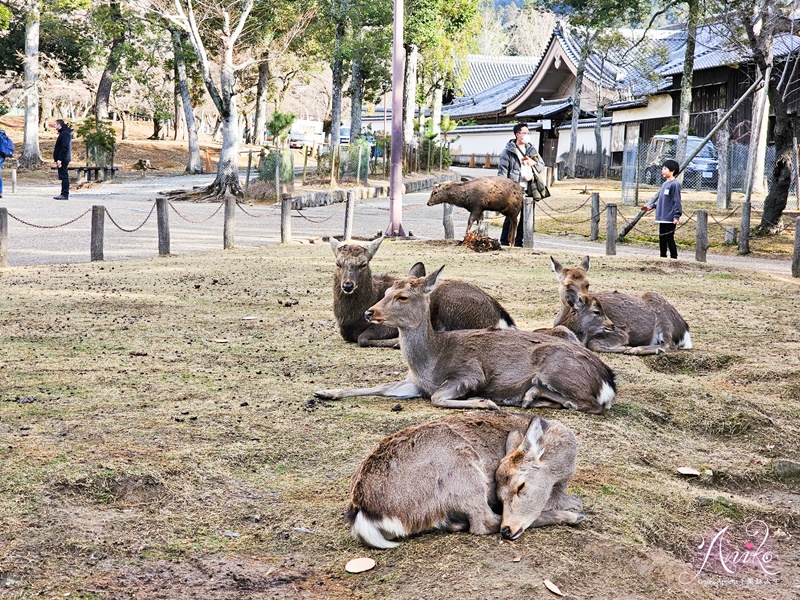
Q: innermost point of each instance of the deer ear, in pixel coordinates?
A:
(585, 264)
(532, 444)
(418, 270)
(573, 296)
(335, 245)
(372, 247)
(556, 267)
(513, 440)
(432, 280)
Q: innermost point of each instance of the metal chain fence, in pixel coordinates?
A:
(641, 172)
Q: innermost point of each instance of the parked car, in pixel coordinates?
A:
(702, 171)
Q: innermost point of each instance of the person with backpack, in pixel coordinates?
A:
(6, 151)
(62, 154)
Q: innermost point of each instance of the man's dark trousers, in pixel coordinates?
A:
(63, 175)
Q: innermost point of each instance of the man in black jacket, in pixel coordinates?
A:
(62, 154)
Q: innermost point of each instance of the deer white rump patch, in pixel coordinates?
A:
(372, 533)
(606, 396)
(686, 342)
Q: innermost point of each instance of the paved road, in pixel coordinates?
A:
(130, 201)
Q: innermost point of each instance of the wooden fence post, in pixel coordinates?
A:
(744, 234)
(13, 180)
(249, 166)
(701, 236)
(286, 219)
(447, 221)
(595, 229)
(349, 208)
(731, 236)
(795, 254)
(549, 176)
(529, 224)
(98, 219)
(230, 219)
(611, 229)
(4, 237)
(163, 226)
(472, 161)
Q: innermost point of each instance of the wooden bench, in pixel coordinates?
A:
(92, 173)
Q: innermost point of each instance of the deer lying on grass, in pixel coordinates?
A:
(459, 473)
(483, 368)
(618, 322)
(482, 193)
(456, 305)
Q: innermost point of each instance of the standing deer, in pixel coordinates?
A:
(615, 321)
(483, 368)
(456, 305)
(483, 193)
(460, 473)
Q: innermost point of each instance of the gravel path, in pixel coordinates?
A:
(44, 238)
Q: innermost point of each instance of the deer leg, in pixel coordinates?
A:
(557, 517)
(561, 500)
(448, 394)
(541, 395)
(397, 389)
(645, 350)
(378, 336)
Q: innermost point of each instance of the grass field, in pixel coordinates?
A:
(159, 437)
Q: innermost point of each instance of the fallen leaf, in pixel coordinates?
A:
(552, 587)
(359, 565)
(220, 341)
(688, 471)
(516, 558)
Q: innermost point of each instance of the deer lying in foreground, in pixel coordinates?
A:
(482, 193)
(456, 305)
(618, 322)
(458, 473)
(483, 368)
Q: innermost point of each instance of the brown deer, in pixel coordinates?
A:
(483, 368)
(483, 473)
(573, 276)
(616, 321)
(483, 193)
(456, 305)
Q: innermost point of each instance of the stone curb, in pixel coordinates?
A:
(326, 197)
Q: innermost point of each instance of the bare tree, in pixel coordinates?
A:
(226, 22)
(31, 157)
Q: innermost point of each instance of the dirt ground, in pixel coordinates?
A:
(159, 437)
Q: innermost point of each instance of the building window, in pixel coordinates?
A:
(709, 98)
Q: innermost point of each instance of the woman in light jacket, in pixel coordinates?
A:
(517, 152)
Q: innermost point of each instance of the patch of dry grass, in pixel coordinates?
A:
(143, 456)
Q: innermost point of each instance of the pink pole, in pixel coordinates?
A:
(395, 227)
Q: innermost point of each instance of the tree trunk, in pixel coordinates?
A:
(261, 100)
(598, 140)
(227, 180)
(410, 91)
(576, 111)
(338, 83)
(194, 165)
(356, 97)
(781, 176)
(685, 111)
(125, 119)
(31, 157)
(112, 64)
(436, 113)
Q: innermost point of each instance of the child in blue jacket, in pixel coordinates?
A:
(668, 208)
